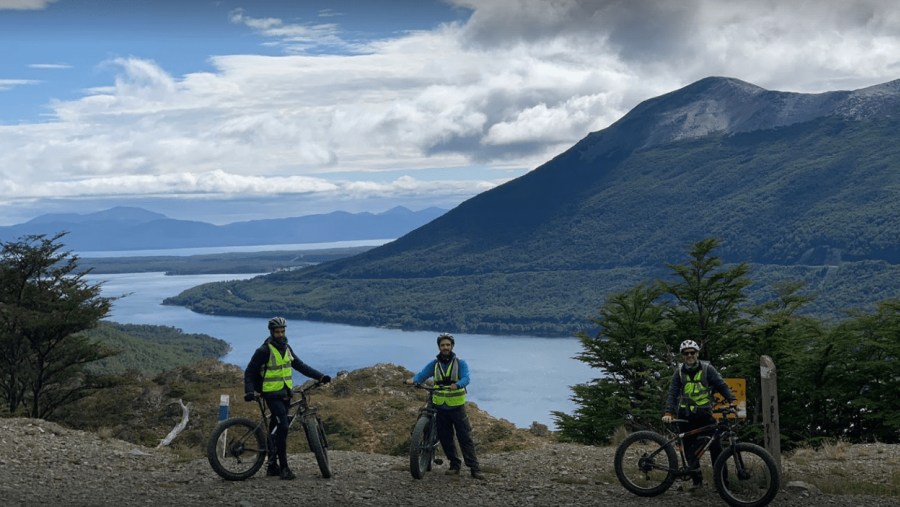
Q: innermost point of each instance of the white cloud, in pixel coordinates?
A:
(519, 82)
(49, 66)
(9, 84)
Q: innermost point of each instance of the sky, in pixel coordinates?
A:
(232, 110)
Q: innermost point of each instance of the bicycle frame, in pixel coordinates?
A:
(745, 475)
(238, 446)
(722, 431)
(296, 408)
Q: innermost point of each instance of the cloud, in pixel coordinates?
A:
(49, 66)
(9, 84)
(25, 5)
(509, 88)
(294, 38)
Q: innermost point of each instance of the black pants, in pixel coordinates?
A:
(694, 443)
(278, 426)
(456, 419)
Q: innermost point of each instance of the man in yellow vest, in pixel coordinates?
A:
(452, 373)
(270, 372)
(692, 388)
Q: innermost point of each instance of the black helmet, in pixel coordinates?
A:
(277, 322)
(446, 336)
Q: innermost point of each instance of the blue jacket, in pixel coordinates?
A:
(428, 372)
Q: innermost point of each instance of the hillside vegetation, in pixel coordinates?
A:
(813, 200)
(368, 410)
(151, 350)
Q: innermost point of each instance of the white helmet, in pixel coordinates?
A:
(689, 344)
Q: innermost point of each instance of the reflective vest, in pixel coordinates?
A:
(446, 377)
(695, 392)
(277, 372)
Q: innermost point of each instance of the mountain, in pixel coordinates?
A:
(128, 228)
(800, 186)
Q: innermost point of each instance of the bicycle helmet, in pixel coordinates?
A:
(277, 322)
(446, 336)
(689, 344)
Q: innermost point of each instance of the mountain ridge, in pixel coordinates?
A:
(789, 183)
(131, 228)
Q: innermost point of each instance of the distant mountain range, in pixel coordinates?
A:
(128, 228)
(800, 186)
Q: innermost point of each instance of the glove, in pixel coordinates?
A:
(249, 396)
(325, 379)
(667, 418)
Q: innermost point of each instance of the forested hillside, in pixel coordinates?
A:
(151, 350)
(802, 187)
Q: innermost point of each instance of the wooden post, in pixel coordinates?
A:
(223, 407)
(771, 427)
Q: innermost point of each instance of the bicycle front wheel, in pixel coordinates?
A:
(237, 448)
(746, 476)
(420, 450)
(315, 435)
(644, 464)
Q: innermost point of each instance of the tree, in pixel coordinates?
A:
(707, 302)
(639, 330)
(45, 302)
(860, 377)
(630, 348)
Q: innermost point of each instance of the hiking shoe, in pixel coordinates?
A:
(287, 475)
(476, 474)
(452, 471)
(273, 470)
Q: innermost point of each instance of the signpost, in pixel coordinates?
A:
(738, 387)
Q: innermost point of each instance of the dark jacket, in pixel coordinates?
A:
(714, 383)
(253, 372)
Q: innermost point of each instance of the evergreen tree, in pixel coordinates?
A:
(630, 348)
(640, 328)
(859, 377)
(707, 302)
(45, 302)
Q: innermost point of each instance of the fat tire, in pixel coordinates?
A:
(244, 436)
(315, 436)
(420, 449)
(626, 465)
(770, 469)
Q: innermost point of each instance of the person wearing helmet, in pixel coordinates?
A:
(452, 373)
(270, 373)
(692, 388)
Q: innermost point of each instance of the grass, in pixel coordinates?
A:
(834, 469)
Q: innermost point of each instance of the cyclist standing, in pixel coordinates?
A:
(451, 372)
(270, 373)
(692, 388)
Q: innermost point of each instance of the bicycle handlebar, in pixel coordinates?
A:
(429, 388)
(303, 390)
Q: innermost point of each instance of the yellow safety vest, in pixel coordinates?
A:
(696, 393)
(451, 398)
(277, 373)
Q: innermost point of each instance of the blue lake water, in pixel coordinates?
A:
(518, 378)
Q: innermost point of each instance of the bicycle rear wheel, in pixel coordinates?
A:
(420, 450)
(315, 435)
(644, 464)
(237, 448)
(746, 476)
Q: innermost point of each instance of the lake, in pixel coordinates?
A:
(517, 378)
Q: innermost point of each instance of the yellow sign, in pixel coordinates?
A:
(738, 387)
